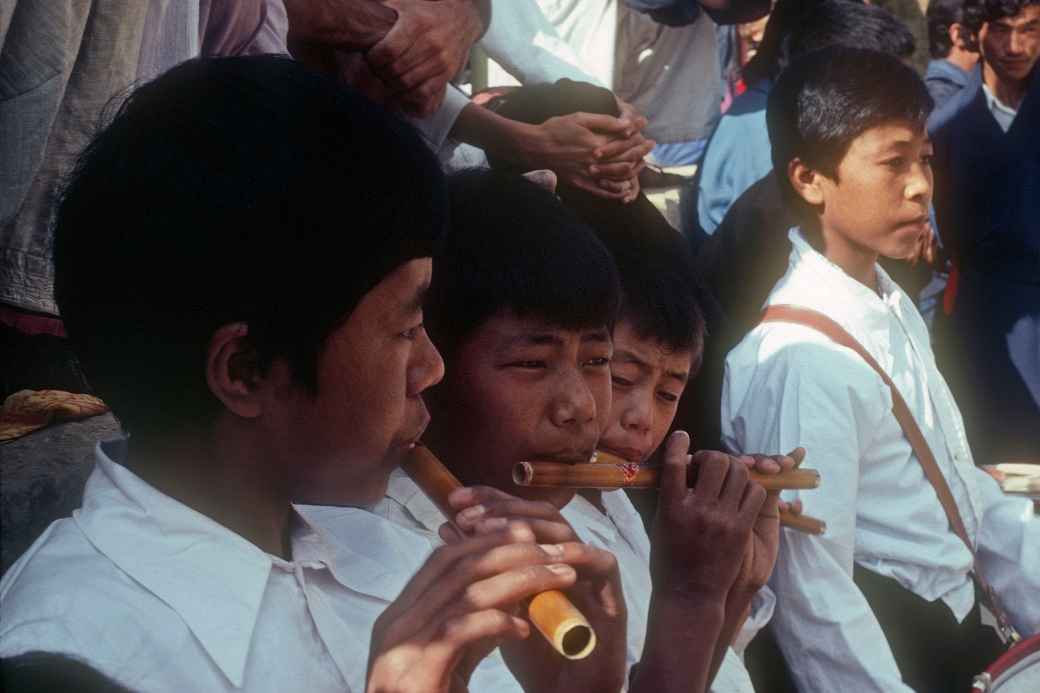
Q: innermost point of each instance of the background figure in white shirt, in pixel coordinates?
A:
(883, 601)
(259, 351)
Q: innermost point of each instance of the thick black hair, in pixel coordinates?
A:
(232, 189)
(48, 672)
(798, 27)
(942, 14)
(979, 12)
(512, 247)
(828, 98)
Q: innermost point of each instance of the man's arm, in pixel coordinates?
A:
(824, 625)
(348, 25)
(683, 12)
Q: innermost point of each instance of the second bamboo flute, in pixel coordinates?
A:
(566, 629)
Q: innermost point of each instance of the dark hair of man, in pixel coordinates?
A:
(979, 12)
(513, 248)
(804, 27)
(227, 190)
(942, 14)
(828, 98)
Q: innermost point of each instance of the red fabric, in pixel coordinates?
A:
(31, 323)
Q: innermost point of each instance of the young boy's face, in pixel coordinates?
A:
(648, 380)
(878, 203)
(1011, 45)
(522, 389)
(368, 410)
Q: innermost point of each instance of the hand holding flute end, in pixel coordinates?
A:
(481, 510)
(703, 582)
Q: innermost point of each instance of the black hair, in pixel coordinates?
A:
(979, 12)
(659, 292)
(942, 14)
(512, 247)
(828, 98)
(232, 189)
(660, 295)
(796, 28)
(48, 672)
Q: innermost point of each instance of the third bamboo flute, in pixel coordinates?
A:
(613, 476)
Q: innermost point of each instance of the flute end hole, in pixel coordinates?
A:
(576, 642)
(522, 474)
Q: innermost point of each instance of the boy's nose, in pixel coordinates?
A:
(638, 417)
(573, 404)
(428, 367)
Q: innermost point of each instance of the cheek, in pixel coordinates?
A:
(602, 393)
(663, 422)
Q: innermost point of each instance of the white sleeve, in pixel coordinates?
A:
(1009, 553)
(797, 389)
(523, 41)
(436, 128)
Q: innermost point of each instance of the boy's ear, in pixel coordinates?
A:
(805, 181)
(233, 370)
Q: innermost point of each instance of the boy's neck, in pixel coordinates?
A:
(857, 262)
(1009, 92)
(219, 479)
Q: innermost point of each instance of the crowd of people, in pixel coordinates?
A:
(294, 244)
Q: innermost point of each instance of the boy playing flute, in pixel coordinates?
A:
(530, 340)
(885, 601)
(242, 279)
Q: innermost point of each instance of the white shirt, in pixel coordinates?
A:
(1002, 113)
(620, 531)
(159, 597)
(787, 385)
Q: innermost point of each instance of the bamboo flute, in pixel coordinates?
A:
(602, 475)
(802, 523)
(551, 612)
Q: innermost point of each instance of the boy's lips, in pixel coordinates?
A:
(628, 454)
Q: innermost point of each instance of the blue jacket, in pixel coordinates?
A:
(987, 198)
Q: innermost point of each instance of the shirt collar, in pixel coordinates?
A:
(815, 282)
(213, 578)
(948, 70)
(403, 490)
(1001, 111)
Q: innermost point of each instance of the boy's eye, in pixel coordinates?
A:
(598, 362)
(927, 159)
(412, 332)
(895, 162)
(527, 365)
(669, 397)
(620, 382)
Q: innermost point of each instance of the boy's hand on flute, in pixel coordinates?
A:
(597, 592)
(459, 607)
(697, 532)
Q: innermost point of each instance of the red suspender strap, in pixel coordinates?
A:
(836, 333)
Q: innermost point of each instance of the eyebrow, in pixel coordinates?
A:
(418, 299)
(553, 339)
(626, 356)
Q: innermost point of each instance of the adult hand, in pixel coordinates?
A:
(597, 593)
(426, 47)
(459, 607)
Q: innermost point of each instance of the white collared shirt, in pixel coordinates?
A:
(620, 531)
(1002, 113)
(788, 385)
(159, 597)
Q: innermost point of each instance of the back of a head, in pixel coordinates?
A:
(941, 15)
(512, 247)
(660, 296)
(796, 28)
(228, 190)
(826, 99)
